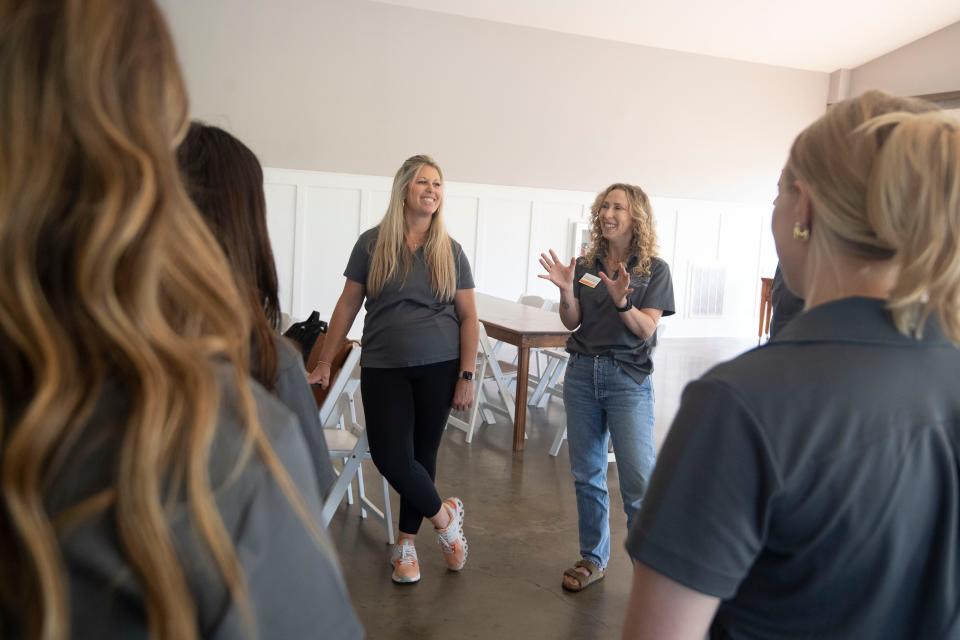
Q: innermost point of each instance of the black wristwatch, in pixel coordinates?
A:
(625, 307)
(466, 375)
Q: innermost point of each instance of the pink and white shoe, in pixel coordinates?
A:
(453, 543)
(406, 567)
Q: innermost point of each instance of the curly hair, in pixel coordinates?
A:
(643, 242)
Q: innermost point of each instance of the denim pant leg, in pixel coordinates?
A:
(629, 409)
(587, 443)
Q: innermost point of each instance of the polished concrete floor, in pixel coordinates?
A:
(521, 526)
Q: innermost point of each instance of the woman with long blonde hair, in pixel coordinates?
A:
(810, 488)
(419, 352)
(612, 298)
(147, 488)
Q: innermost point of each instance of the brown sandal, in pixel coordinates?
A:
(583, 581)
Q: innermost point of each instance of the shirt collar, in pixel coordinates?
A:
(631, 262)
(854, 320)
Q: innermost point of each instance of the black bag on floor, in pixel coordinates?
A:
(305, 333)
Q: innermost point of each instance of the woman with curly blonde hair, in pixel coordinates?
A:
(613, 297)
(147, 487)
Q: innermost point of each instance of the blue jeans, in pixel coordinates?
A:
(603, 402)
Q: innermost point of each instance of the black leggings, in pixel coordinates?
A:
(406, 410)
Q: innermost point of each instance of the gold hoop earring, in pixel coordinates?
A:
(800, 232)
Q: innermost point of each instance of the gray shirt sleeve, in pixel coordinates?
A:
(705, 516)
(293, 391)
(294, 581)
(464, 275)
(358, 265)
(658, 291)
(294, 584)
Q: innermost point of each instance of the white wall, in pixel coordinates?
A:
(929, 65)
(353, 86)
(528, 125)
(315, 217)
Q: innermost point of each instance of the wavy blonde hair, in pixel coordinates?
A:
(643, 242)
(109, 276)
(884, 179)
(391, 259)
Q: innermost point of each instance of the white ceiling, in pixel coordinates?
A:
(819, 35)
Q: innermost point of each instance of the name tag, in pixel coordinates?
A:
(590, 280)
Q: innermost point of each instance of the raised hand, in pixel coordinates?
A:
(618, 289)
(558, 273)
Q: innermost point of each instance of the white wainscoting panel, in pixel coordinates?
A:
(331, 226)
(550, 228)
(461, 214)
(282, 227)
(314, 219)
(503, 247)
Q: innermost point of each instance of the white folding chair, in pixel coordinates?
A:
(347, 441)
(550, 382)
(535, 301)
(501, 402)
(469, 425)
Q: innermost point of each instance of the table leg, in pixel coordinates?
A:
(763, 312)
(520, 416)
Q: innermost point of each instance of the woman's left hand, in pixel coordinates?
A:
(463, 395)
(618, 289)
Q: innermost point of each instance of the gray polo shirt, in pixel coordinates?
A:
(406, 325)
(602, 331)
(813, 483)
(295, 586)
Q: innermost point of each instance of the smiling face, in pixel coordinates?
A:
(616, 218)
(425, 192)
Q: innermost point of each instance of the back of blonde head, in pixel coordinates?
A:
(109, 277)
(884, 179)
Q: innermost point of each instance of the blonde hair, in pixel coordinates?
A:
(884, 179)
(111, 279)
(643, 242)
(391, 259)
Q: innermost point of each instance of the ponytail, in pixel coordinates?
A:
(913, 205)
(884, 179)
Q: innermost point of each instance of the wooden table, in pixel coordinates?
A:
(523, 327)
(766, 307)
